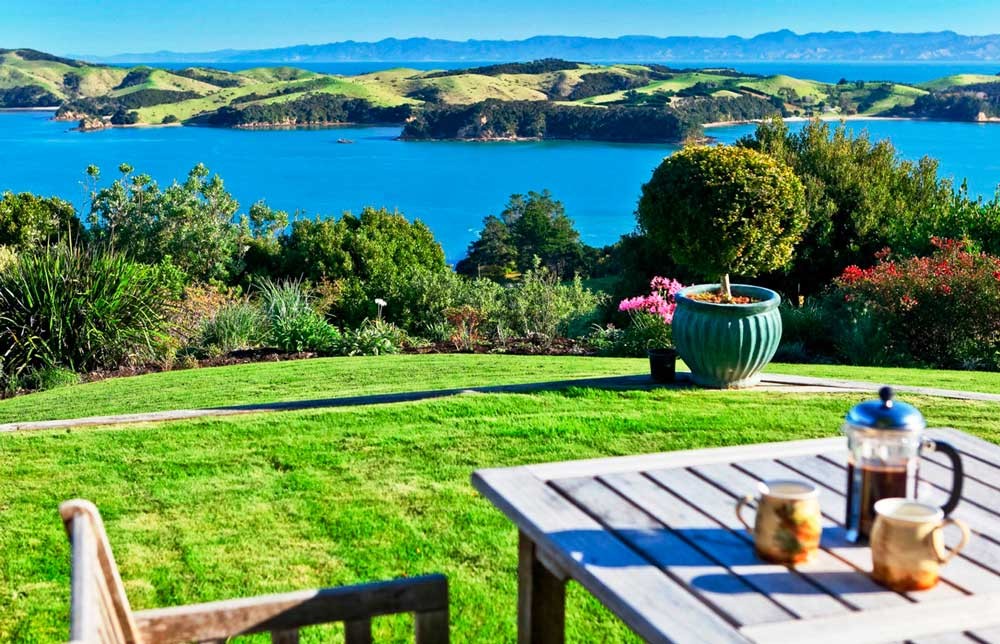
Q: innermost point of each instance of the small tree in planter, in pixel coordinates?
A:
(719, 211)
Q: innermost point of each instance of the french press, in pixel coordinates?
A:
(885, 439)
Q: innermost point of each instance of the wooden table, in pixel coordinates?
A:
(655, 538)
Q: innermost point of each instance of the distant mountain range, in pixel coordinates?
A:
(781, 45)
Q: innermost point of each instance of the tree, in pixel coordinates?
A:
(532, 226)
(191, 224)
(376, 254)
(722, 210)
(27, 220)
(492, 255)
(860, 198)
(539, 228)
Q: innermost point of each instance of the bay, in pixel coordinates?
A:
(450, 186)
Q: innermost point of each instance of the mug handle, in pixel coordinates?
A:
(957, 473)
(940, 551)
(742, 503)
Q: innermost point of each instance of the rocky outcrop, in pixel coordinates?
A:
(91, 123)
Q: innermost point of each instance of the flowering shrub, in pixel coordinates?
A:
(942, 310)
(649, 323)
(660, 301)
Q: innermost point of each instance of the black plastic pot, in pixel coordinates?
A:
(662, 365)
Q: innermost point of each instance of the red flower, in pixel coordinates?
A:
(852, 274)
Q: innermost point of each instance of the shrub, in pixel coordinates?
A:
(193, 223)
(370, 339)
(26, 220)
(235, 326)
(373, 255)
(721, 210)
(7, 257)
(464, 323)
(942, 310)
(805, 335)
(47, 378)
(540, 305)
(196, 307)
(646, 331)
(433, 294)
(293, 324)
(81, 309)
(860, 197)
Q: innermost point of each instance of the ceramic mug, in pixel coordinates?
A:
(788, 523)
(908, 545)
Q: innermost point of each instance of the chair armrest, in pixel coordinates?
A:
(289, 611)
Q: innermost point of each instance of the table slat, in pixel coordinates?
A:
(714, 519)
(833, 574)
(728, 593)
(834, 537)
(655, 606)
(963, 571)
(984, 453)
(886, 624)
(986, 497)
(982, 549)
(663, 460)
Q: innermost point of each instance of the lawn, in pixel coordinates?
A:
(207, 509)
(343, 377)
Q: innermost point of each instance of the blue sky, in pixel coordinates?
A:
(117, 26)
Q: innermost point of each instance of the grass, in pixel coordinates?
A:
(343, 377)
(902, 95)
(300, 380)
(772, 84)
(982, 381)
(208, 509)
(957, 80)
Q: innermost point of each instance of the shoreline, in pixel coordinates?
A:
(29, 109)
(826, 118)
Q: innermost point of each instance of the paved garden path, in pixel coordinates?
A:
(770, 382)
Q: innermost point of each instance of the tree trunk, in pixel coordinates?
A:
(726, 292)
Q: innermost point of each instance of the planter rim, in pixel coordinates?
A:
(768, 300)
(662, 351)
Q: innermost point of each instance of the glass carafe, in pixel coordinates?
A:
(885, 440)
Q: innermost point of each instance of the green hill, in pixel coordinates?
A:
(958, 80)
(148, 95)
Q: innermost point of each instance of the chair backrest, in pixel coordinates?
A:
(99, 609)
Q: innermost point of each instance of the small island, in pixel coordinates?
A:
(543, 99)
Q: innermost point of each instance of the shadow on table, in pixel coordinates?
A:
(708, 547)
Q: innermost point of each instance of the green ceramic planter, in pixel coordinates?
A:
(727, 345)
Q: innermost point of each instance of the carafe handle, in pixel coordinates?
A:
(957, 472)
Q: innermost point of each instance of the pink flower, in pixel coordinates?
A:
(661, 301)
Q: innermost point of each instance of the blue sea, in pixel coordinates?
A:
(450, 186)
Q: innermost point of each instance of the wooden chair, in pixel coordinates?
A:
(100, 612)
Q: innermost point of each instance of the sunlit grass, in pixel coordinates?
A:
(208, 509)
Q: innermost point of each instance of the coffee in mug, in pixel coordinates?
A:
(908, 545)
(788, 523)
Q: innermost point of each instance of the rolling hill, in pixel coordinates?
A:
(104, 95)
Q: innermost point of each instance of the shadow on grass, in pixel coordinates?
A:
(614, 383)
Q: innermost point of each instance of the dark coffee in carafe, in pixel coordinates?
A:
(868, 484)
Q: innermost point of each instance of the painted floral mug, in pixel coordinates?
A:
(908, 545)
(788, 525)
